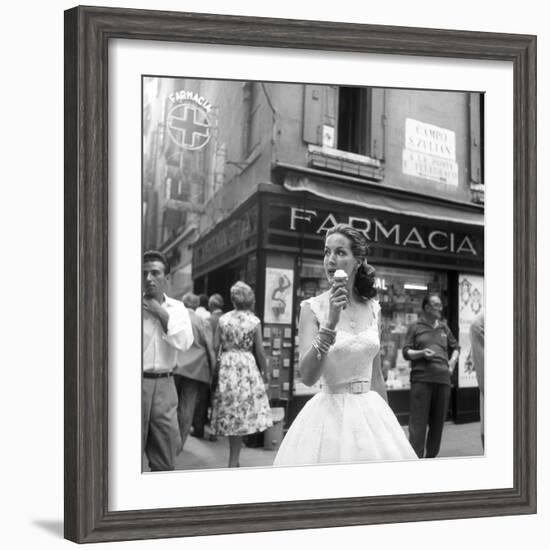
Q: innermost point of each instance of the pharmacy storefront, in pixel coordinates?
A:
(415, 247)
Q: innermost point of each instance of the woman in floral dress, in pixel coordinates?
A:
(240, 405)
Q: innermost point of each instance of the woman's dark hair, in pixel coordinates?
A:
(203, 300)
(365, 275)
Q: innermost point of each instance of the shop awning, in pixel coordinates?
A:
(354, 195)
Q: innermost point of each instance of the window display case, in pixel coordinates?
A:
(400, 292)
(311, 282)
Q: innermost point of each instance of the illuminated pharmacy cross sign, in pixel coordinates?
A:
(188, 126)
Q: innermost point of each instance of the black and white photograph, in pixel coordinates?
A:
(253, 249)
(313, 274)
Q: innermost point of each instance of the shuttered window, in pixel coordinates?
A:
(320, 104)
(476, 149)
(338, 117)
(477, 152)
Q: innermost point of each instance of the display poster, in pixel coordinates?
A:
(278, 295)
(470, 300)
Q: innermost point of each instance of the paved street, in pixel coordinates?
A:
(458, 440)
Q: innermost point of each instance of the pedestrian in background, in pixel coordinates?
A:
(166, 330)
(202, 308)
(477, 339)
(433, 351)
(215, 306)
(194, 367)
(240, 405)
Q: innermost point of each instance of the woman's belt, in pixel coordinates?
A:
(358, 386)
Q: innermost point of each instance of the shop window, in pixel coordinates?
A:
(400, 292)
(312, 281)
(354, 120)
(470, 305)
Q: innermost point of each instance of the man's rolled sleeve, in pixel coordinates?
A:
(409, 342)
(180, 333)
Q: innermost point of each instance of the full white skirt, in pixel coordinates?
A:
(333, 428)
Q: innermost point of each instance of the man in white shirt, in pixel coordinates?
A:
(166, 330)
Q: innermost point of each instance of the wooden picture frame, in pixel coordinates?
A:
(87, 34)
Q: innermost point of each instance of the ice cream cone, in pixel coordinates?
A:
(340, 276)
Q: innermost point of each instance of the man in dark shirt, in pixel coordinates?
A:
(215, 305)
(194, 367)
(428, 345)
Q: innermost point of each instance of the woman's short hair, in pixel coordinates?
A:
(365, 275)
(215, 301)
(242, 295)
(190, 300)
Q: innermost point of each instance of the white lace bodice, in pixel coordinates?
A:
(357, 341)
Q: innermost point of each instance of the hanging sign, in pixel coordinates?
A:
(188, 121)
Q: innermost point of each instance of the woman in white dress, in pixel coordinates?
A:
(339, 341)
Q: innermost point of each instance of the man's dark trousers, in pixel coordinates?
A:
(429, 406)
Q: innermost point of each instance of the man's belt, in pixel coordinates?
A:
(150, 374)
